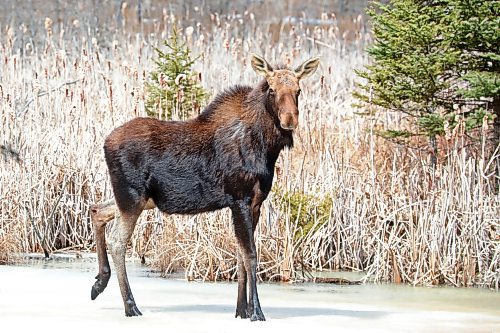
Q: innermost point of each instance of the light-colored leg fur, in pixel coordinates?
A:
(120, 234)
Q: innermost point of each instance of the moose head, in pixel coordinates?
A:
(284, 89)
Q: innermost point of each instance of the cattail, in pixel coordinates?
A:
(10, 36)
(124, 12)
(189, 33)
(163, 80)
(485, 125)
(447, 130)
(36, 86)
(48, 26)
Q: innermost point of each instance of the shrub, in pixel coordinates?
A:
(174, 88)
(307, 211)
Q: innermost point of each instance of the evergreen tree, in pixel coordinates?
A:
(174, 87)
(435, 62)
(477, 26)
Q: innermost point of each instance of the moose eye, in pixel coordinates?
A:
(298, 92)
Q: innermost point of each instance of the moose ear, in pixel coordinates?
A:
(307, 68)
(261, 67)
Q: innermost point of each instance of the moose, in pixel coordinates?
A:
(225, 157)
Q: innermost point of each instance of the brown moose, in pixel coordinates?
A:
(223, 158)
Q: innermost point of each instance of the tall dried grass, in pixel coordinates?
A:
(387, 213)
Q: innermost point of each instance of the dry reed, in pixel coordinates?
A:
(389, 216)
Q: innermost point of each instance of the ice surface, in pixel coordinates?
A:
(56, 297)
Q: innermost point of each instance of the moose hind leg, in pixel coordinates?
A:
(120, 235)
(101, 214)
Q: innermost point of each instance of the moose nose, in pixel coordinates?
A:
(289, 122)
(289, 127)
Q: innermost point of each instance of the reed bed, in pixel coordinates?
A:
(343, 199)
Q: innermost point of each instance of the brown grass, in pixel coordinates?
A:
(9, 243)
(343, 199)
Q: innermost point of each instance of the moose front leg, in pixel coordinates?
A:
(242, 304)
(244, 229)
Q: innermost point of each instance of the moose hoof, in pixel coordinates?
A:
(258, 316)
(94, 293)
(241, 313)
(99, 286)
(132, 311)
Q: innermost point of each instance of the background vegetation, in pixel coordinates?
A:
(437, 63)
(173, 90)
(343, 199)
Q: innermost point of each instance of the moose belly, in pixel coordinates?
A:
(186, 194)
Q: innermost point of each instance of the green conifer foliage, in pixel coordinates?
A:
(174, 88)
(436, 62)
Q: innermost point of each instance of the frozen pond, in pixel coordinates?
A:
(55, 295)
